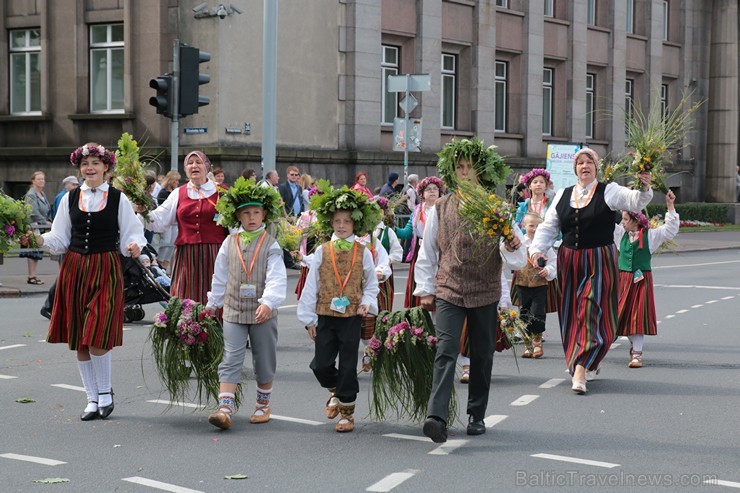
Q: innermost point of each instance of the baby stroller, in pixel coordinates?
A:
(143, 284)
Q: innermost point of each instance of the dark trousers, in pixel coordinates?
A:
(337, 336)
(481, 332)
(533, 307)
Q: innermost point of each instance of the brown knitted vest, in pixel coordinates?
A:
(329, 287)
(240, 310)
(527, 276)
(469, 273)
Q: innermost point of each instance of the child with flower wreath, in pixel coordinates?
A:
(637, 242)
(341, 288)
(249, 281)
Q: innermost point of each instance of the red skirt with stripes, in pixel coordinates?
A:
(385, 303)
(301, 281)
(553, 294)
(636, 305)
(88, 307)
(192, 271)
(588, 312)
(409, 300)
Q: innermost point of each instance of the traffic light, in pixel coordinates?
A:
(191, 79)
(163, 101)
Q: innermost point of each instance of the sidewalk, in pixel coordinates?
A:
(13, 273)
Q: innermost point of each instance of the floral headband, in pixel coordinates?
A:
(527, 178)
(312, 191)
(641, 219)
(430, 180)
(381, 201)
(90, 150)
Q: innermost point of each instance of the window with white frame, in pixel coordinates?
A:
(25, 71)
(502, 3)
(591, 13)
(449, 89)
(590, 99)
(630, 16)
(106, 68)
(549, 8)
(664, 100)
(389, 66)
(500, 91)
(629, 101)
(666, 12)
(547, 86)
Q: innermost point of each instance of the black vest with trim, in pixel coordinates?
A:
(94, 231)
(589, 227)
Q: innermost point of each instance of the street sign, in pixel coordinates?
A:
(400, 139)
(408, 104)
(409, 83)
(195, 130)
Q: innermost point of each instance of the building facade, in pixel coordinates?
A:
(519, 74)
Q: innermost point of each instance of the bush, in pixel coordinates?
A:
(695, 211)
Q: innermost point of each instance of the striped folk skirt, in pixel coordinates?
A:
(553, 294)
(409, 300)
(588, 312)
(385, 303)
(301, 281)
(636, 305)
(88, 308)
(192, 271)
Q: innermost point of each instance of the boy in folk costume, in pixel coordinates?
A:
(460, 275)
(249, 281)
(341, 288)
(531, 282)
(636, 301)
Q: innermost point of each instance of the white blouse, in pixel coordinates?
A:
(164, 216)
(656, 236)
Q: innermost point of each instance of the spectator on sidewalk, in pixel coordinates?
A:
(361, 184)
(68, 184)
(292, 193)
(40, 221)
(389, 188)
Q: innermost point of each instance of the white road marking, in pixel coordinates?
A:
(614, 344)
(669, 316)
(297, 420)
(30, 458)
(68, 387)
(42, 340)
(494, 419)
(524, 400)
(575, 460)
(181, 404)
(726, 288)
(408, 437)
(727, 298)
(710, 302)
(392, 480)
(159, 485)
(11, 347)
(287, 306)
(681, 311)
(697, 306)
(552, 383)
(721, 482)
(697, 265)
(6, 377)
(448, 447)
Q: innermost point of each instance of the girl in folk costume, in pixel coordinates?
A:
(587, 261)
(430, 189)
(200, 233)
(91, 222)
(249, 282)
(536, 182)
(636, 302)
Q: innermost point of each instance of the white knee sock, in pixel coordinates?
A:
(91, 386)
(637, 341)
(464, 360)
(365, 342)
(102, 368)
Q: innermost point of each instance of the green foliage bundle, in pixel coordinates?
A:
(366, 214)
(489, 166)
(244, 191)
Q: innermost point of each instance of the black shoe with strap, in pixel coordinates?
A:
(89, 415)
(104, 411)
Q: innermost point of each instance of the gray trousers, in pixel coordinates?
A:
(263, 339)
(482, 323)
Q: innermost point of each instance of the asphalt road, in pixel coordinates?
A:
(672, 425)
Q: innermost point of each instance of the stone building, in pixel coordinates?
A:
(519, 74)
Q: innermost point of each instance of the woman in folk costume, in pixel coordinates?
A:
(637, 317)
(199, 236)
(430, 189)
(92, 221)
(587, 261)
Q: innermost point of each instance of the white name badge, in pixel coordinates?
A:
(216, 217)
(248, 291)
(340, 304)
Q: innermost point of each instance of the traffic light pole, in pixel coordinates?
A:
(175, 122)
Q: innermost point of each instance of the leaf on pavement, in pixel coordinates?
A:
(25, 400)
(51, 480)
(236, 476)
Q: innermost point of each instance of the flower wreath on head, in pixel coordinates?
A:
(89, 150)
(365, 214)
(527, 178)
(487, 163)
(642, 221)
(430, 180)
(247, 192)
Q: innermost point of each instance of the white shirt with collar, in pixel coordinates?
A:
(396, 253)
(164, 216)
(382, 262)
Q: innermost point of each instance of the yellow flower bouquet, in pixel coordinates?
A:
(485, 213)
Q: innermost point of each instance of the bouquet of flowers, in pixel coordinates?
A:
(289, 235)
(484, 212)
(402, 354)
(129, 174)
(14, 222)
(511, 325)
(185, 339)
(650, 136)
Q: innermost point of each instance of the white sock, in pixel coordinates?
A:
(464, 360)
(263, 399)
(365, 342)
(88, 381)
(227, 403)
(102, 367)
(637, 341)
